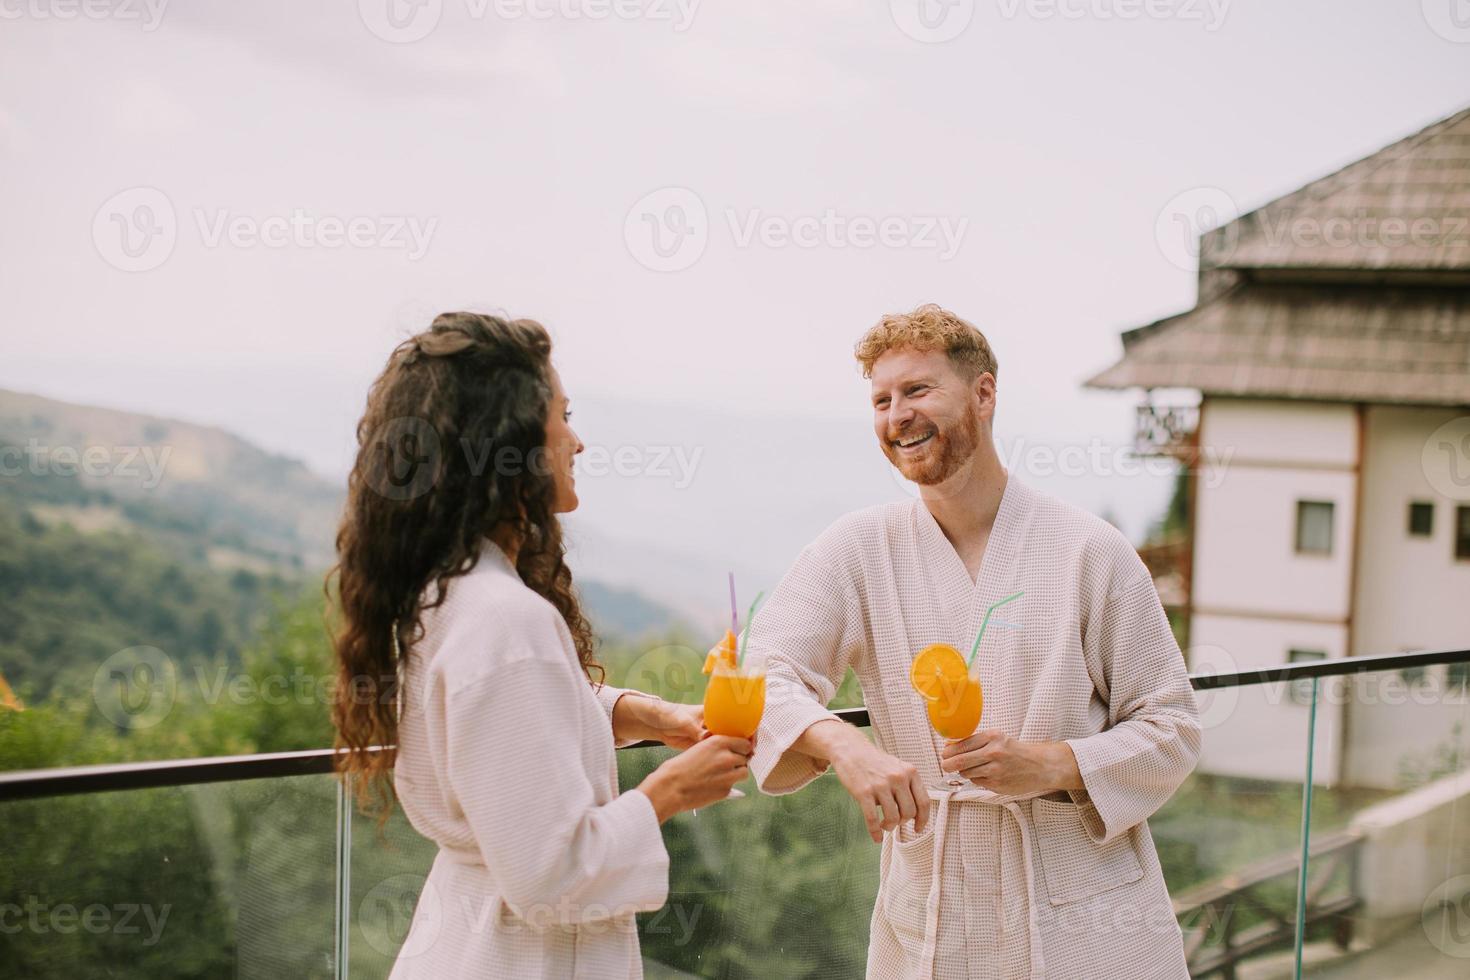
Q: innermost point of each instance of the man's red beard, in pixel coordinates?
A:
(947, 451)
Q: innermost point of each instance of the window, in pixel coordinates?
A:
(1314, 527)
(1300, 690)
(1421, 519)
(1462, 532)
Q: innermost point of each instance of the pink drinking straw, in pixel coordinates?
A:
(734, 613)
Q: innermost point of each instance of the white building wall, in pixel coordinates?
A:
(1258, 731)
(1254, 597)
(1411, 594)
(1245, 518)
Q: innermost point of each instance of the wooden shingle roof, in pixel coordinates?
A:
(1353, 288)
(1405, 207)
(1407, 346)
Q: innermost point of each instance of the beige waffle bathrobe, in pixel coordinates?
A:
(505, 760)
(1064, 885)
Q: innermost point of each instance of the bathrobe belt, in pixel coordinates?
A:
(941, 824)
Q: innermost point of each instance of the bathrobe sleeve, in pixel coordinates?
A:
(514, 754)
(810, 629)
(608, 696)
(1152, 738)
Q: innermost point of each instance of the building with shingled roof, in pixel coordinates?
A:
(1321, 409)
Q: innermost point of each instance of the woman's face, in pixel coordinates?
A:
(562, 446)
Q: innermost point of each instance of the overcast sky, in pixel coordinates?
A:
(706, 203)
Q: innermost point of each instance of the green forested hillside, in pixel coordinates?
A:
(84, 574)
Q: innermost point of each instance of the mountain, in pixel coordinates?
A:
(245, 505)
(120, 530)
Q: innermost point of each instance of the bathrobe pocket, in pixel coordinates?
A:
(1074, 865)
(908, 874)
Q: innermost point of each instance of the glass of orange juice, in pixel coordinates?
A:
(735, 698)
(952, 695)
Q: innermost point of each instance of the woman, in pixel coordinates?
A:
(463, 644)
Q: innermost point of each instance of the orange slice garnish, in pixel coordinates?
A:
(936, 670)
(721, 653)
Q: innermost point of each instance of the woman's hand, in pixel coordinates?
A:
(647, 718)
(679, 726)
(699, 776)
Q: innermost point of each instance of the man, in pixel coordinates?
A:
(1043, 864)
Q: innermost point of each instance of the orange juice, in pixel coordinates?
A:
(734, 701)
(955, 714)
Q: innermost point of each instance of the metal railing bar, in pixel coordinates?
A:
(162, 774)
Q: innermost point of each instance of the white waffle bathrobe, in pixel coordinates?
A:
(1065, 886)
(505, 760)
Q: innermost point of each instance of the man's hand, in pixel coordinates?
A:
(888, 790)
(995, 761)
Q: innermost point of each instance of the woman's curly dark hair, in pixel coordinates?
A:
(422, 497)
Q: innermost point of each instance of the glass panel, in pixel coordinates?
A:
(389, 865)
(758, 887)
(232, 879)
(1389, 875)
(1229, 841)
(763, 886)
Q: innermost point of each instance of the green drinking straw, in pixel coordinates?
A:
(745, 637)
(986, 622)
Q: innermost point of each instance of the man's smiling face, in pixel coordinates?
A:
(925, 414)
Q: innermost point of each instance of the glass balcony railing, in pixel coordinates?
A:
(1325, 833)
